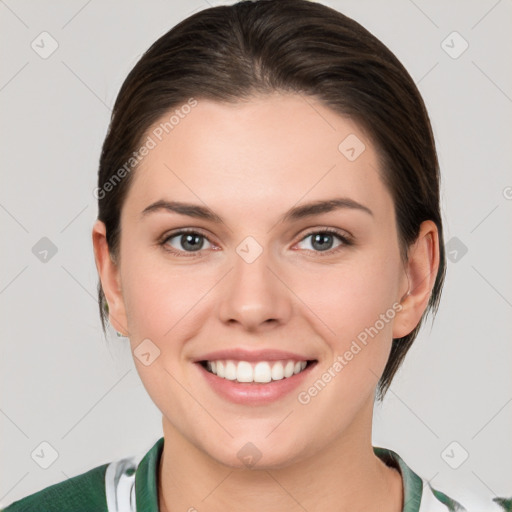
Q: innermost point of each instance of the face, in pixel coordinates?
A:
(280, 264)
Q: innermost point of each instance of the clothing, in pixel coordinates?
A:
(130, 485)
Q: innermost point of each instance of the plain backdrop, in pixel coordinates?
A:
(449, 410)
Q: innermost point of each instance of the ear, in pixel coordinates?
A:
(420, 273)
(110, 278)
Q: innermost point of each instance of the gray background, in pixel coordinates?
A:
(63, 384)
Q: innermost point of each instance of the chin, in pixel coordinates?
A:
(260, 454)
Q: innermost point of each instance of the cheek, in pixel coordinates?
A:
(355, 301)
(162, 302)
(357, 305)
(163, 306)
(159, 294)
(350, 297)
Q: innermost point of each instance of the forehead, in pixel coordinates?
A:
(272, 150)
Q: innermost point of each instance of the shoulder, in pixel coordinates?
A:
(467, 501)
(420, 496)
(84, 492)
(111, 487)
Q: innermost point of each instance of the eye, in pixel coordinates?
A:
(185, 242)
(325, 241)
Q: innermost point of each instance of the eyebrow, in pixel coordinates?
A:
(295, 213)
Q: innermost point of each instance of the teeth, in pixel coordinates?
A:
(277, 372)
(288, 369)
(230, 371)
(263, 371)
(244, 372)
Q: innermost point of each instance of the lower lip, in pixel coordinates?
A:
(253, 393)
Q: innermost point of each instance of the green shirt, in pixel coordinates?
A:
(130, 485)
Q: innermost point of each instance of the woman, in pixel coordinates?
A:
(269, 239)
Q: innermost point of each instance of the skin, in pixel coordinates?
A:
(250, 162)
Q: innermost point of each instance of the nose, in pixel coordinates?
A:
(254, 296)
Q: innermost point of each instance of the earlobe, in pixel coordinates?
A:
(110, 278)
(421, 272)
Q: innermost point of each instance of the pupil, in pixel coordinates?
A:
(189, 240)
(324, 241)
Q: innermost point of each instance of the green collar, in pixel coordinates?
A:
(413, 485)
(146, 479)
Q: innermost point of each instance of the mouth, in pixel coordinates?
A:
(255, 372)
(254, 376)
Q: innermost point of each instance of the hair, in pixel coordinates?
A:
(233, 53)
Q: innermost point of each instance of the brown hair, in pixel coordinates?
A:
(231, 53)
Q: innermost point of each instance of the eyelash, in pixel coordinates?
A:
(345, 239)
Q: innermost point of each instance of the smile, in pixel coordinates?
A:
(257, 371)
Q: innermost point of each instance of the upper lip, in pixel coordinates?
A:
(241, 354)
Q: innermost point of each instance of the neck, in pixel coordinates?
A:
(345, 476)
